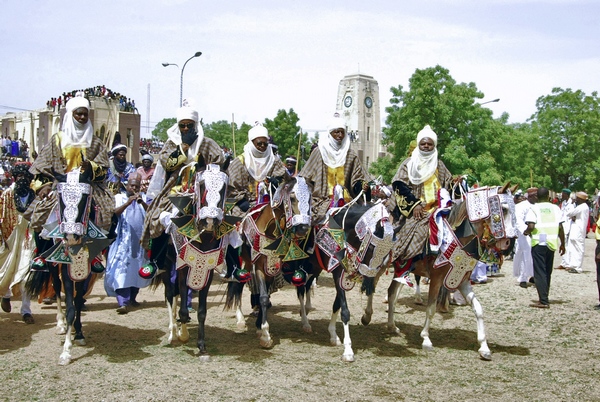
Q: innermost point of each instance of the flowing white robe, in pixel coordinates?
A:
(576, 243)
(522, 261)
(126, 255)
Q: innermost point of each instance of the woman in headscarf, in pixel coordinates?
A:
(333, 165)
(416, 185)
(248, 171)
(185, 146)
(119, 169)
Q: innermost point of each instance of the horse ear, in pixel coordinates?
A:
(514, 188)
(226, 163)
(504, 188)
(201, 165)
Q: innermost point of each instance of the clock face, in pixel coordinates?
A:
(348, 101)
(368, 102)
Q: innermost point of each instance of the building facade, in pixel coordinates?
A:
(36, 127)
(358, 103)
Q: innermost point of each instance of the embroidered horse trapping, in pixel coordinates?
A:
(478, 206)
(461, 263)
(79, 269)
(200, 263)
(294, 252)
(329, 245)
(346, 281)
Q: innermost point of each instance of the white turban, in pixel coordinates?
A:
(187, 113)
(336, 122)
(173, 134)
(427, 132)
(258, 131)
(74, 133)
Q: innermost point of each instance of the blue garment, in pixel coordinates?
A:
(126, 255)
(115, 177)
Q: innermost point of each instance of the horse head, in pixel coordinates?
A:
(74, 205)
(209, 194)
(492, 211)
(294, 195)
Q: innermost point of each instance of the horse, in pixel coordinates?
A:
(274, 235)
(486, 220)
(355, 246)
(72, 258)
(200, 238)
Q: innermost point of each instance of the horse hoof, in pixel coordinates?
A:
(393, 330)
(428, 348)
(348, 358)
(487, 356)
(204, 358)
(80, 342)
(64, 360)
(307, 329)
(61, 330)
(365, 320)
(241, 326)
(335, 342)
(419, 302)
(268, 344)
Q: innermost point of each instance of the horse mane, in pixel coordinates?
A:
(350, 217)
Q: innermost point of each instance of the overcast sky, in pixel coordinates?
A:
(261, 56)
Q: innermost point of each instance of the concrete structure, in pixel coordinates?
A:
(358, 103)
(36, 127)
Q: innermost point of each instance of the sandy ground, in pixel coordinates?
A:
(541, 355)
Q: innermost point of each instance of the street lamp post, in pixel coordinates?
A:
(197, 54)
(495, 100)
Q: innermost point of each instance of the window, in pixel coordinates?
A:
(368, 132)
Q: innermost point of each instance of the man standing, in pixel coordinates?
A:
(544, 225)
(146, 171)
(576, 244)
(522, 262)
(566, 206)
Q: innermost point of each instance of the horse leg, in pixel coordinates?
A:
(184, 314)
(302, 292)
(435, 284)
(392, 296)
(61, 319)
(418, 296)
(65, 356)
(202, 308)
(262, 324)
(342, 305)
(171, 305)
(467, 291)
(79, 292)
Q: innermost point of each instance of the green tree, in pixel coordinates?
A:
(222, 132)
(567, 126)
(286, 133)
(467, 133)
(160, 131)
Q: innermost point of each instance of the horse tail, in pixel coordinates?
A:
(234, 294)
(368, 285)
(37, 282)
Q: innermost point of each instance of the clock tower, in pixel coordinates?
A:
(358, 104)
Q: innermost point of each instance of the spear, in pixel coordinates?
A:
(298, 153)
(233, 132)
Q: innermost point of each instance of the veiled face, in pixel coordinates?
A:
(338, 134)
(261, 143)
(426, 144)
(81, 115)
(186, 125)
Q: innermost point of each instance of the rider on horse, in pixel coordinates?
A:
(417, 195)
(185, 147)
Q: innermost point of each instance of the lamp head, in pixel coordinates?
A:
(197, 54)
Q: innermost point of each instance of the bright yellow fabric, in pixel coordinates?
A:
(431, 187)
(336, 176)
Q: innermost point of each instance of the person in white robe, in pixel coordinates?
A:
(126, 255)
(579, 218)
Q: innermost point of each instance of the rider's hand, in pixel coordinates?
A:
(418, 212)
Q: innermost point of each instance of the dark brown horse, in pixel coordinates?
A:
(274, 235)
(199, 236)
(490, 225)
(355, 246)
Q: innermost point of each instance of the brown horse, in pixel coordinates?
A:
(490, 224)
(273, 233)
(355, 246)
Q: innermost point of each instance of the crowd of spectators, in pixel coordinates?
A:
(125, 104)
(150, 145)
